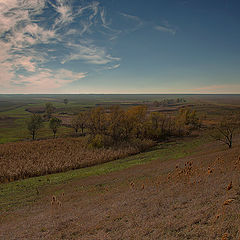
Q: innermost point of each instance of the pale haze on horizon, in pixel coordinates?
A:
(119, 46)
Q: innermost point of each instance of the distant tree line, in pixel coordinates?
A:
(166, 102)
(106, 127)
(118, 125)
(114, 125)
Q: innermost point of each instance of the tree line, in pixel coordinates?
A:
(113, 125)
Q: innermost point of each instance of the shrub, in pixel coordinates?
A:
(97, 141)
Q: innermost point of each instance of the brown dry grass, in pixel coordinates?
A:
(28, 159)
(153, 201)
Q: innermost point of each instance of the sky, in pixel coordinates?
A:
(119, 46)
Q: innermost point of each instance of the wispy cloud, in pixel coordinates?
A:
(114, 66)
(37, 82)
(40, 39)
(65, 12)
(138, 22)
(30, 39)
(218, 88)
(89, 53)
(165, 27)
(132, 17)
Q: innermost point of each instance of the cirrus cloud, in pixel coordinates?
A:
(33, 35)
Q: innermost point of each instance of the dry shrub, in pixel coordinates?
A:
(132, 185)
(228, 201)
(184, 173)
(225, 236)
(237, 164)
(210, 170)
(142, 145)
(230, 185)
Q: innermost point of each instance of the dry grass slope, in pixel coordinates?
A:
(197, 197)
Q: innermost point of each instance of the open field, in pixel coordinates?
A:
(154, 200)
(14, 109)
(20, 192)
(182, 188)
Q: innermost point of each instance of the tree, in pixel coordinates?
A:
(115, 123)
(82, 116)
(186, 121)
(225, 130)
(54, 124)
(75, 124)
(97, 121)
(49, 109)
(131, 123)
(181, 122)
(138, 116)
(79, 121)
(127, 125)
(65, 101)
(158, 125)
(34, 124)
(156, 103)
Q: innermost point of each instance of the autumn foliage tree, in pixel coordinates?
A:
(158, 125)
(138, 116)
(97, 121)
(115, 125)
(115, 121)
(186, 121)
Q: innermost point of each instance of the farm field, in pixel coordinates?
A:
(178, 192)
(29, 159)
(14, 109)
(180, 187)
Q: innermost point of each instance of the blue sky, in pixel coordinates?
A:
(119, 46)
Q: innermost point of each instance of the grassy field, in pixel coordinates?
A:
(13, 123)
(153, 195)
(184, 188)
(24, 191)
(13, 114)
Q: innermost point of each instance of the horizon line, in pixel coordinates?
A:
(119, 93)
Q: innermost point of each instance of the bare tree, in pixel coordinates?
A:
(225, 131)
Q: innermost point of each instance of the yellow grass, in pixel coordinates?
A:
(28, 159)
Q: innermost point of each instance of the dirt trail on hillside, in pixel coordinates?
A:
(197, 197)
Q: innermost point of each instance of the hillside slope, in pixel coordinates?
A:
(196, 197)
